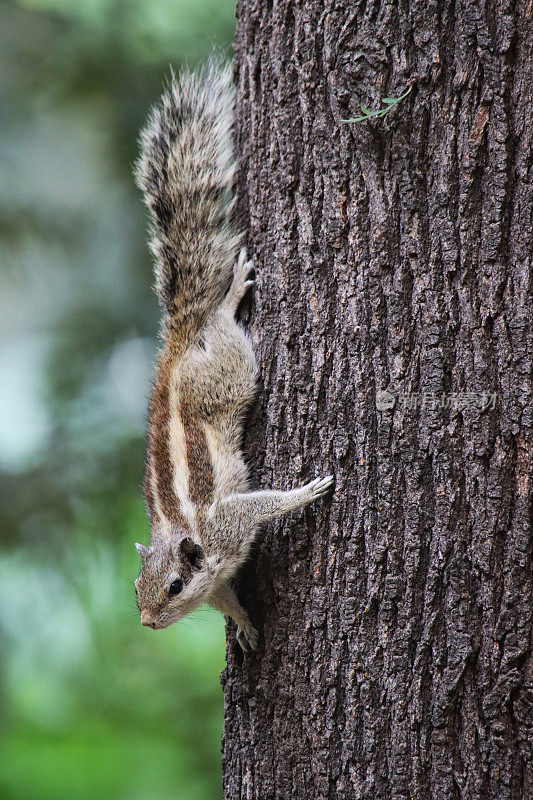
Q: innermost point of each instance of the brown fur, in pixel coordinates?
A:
(148, 494)
(201, 476)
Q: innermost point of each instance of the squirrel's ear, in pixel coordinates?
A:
(142, 550)
(192, 551)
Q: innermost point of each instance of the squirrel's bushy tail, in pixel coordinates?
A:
(185, 170)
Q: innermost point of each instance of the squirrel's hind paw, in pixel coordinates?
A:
(240, 282)
(247, 638)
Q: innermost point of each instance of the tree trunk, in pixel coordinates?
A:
(392, 254)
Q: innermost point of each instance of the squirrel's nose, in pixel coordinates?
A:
(147, 619)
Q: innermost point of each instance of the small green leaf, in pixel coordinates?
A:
(389, 103)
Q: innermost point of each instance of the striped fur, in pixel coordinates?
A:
(161, 499)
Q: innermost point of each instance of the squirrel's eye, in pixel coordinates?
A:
(175, 587)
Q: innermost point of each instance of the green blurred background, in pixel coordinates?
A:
(91, 704)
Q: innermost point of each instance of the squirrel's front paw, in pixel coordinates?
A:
(247, 638)
(319, 487)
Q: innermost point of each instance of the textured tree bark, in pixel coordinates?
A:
(394, 255)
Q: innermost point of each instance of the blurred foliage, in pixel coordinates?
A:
(91, 704)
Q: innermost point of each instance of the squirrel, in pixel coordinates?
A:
(203, 519)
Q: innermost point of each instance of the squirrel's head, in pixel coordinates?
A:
(174, 579)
